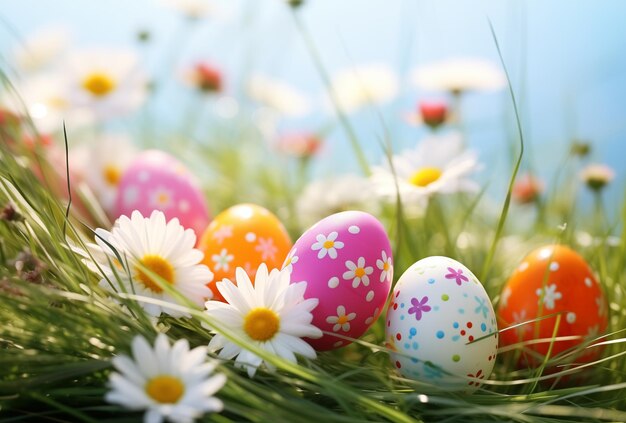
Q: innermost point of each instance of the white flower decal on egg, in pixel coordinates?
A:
(222, 260)
(327, 245)
(267, 248)
(341, 320)
(161, 198)
(291, 259)
(358, 272)
(225, 231)
(549, 296)
(385, 266)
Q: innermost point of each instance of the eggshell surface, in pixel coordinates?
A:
(244, 235)
(441, 325)
(553, 280)
(157, 181)
(347, 263)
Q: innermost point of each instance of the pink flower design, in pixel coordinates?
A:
(457, 275)
(419, 307)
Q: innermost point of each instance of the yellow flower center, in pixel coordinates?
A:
(342, 320)
(425, 176)
(329, 244)
(287, 262)
(157, 265)
(386, 266)
(162, 199)
(165, 389)
(99, 84)
(359, 272)
(111, 174)
(261, 324)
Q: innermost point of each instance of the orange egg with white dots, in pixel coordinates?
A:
(552, 281)
(245, 236)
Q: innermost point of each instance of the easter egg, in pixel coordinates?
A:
(441, 325)
(346, 261)
(552, 280)
(156, 181)
(245, 236)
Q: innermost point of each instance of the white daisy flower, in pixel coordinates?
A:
(385, 265)
(549, 295)
(278, 96)
(438, 164)
(364, 85)
(331, 195)
(110, 83)
(341, 320)
(327, 245)
(47, 100)
(459, 75)
(271, 314)
(169, 382)
(164, 248)
(358, 272)
(41, 48)
(291, 259)
(108, 156)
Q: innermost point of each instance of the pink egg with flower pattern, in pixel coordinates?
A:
(347, 263)
(441, 326)
(157, 181)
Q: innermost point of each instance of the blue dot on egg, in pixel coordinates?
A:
(431, 281)
(465, 295)
(483, 327)
(436, 308)
(455, 325)
(402, 317)
(412, 333)
(461, 311)
(440, 334)
(415, 345)
(407, 345)
(414, 360)
(402, 305)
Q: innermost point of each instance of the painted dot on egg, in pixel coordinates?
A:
(554, 266)
(333, 282)
(338, 344)
(455, 325)
(588, 282)
(483, 327)
(250, 237)
(369, 320)
(143, 176)
(456, 358)
(412, 332)
(369, 297)
(440, 334)
(570, 317)
(183, 206)
(354, 229)
(431, 281)
(445, 297)
(523, 266)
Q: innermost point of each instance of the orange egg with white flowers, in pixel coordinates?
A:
(245, 236)
(557, 282)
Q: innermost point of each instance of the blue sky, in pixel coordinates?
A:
(566, 60)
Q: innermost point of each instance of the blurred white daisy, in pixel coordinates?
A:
(272, 314)
(110, 83)
(41, 48)
(459, 75)
(278, 96)
(365, 85)
(108, 156)
(169, 382)
(324, 197)
(438, 164)
(192, 9)
(597, 176)
(47, 101)
(165, 249)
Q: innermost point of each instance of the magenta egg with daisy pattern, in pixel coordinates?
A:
(157, 181)
(347, 263)
(441, 326)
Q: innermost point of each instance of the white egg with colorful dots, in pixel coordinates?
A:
(441, 325)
